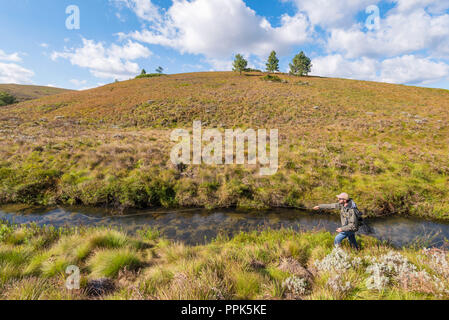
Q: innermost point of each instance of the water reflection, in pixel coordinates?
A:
(197, 226)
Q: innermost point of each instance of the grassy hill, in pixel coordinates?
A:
(387, 145)
(27, 92)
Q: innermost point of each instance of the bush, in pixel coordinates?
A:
(148, 75)
(6, 99)
(271, 78)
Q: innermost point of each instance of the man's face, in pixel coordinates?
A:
(341, 201)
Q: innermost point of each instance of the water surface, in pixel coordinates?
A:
(196, 226)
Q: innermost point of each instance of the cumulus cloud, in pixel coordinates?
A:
(433, 6)
(14, 73)
(399, 33)
(407, 69)
(144, 9)
(217, 28)
(13, 57)
(11, 72)
(412, 70)
(331, 13)
(112, 62)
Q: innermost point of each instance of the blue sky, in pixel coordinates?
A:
(407, 44)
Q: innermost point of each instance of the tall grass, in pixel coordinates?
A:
(270, 264)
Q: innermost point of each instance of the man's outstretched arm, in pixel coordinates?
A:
(330, 206)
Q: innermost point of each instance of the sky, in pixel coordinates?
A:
(88, 43)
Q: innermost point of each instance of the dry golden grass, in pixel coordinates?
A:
(27, 92)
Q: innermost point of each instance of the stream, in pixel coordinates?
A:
(197, 226)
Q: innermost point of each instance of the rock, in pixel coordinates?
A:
(421, 121)
(59, 117)
(257, 265)
(370, 113)
(316, 108)
(292, 266)
(119, 136)
(99, 287)
(151, 101)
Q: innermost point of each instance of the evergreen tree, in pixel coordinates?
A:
(301, 65)
(143, 72)
(273, 63)
(159, 70)
(240, 64)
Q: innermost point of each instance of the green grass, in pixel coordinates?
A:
(108, 263)
(247, 266)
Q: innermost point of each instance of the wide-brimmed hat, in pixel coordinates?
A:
(343, 196)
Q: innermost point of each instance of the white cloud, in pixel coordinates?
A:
(407, 69)
(77, 82)
(44, 45)
(400, 33)
(217, 28)
(13, 57)
(433, 6)
(115, 62)
(338, 66)
(13, 73)
(332, 13)
(144, 9)
(412, 70)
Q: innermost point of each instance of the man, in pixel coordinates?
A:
(349, 219)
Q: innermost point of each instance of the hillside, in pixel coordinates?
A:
(27, 92)
(387, 145)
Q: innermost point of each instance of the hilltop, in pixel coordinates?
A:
(385, 144)
(28, 92)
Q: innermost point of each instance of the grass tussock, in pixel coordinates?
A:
(259, 265)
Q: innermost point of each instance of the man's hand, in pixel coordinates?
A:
(316, 208)
(339, 230)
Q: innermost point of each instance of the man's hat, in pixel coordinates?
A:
(343, 196)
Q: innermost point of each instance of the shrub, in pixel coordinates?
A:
(271, 78)
(149, 75)
(297, 286)
(6, 99)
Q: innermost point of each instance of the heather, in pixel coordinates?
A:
(386, 145)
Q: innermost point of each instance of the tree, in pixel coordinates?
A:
(301, 65)
(239, 64)
(159, 70)
(143, 72)
(273, 63)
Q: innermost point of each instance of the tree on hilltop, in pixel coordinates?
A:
(239, 64)
(273, 63)
(301, 65)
